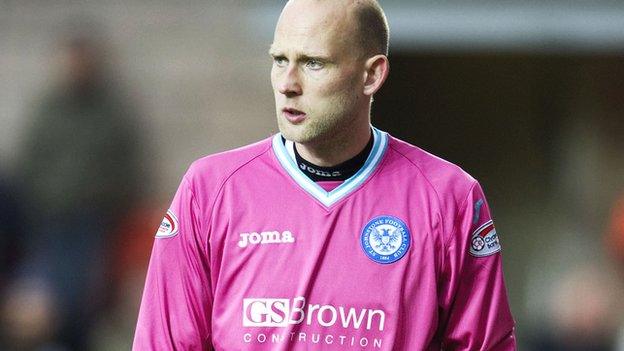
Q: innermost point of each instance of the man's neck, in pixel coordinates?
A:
(341, 148)
(340, 172)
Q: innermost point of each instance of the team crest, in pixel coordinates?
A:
(385, 239)
(169, 226)
(484, 241)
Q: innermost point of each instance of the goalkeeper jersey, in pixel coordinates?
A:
(253, 255)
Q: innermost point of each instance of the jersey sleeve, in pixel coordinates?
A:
(176, 305)
(475, 312)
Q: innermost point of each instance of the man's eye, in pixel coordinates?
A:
(314, 64)
(280, 61)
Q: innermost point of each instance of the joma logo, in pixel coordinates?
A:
(273, 237)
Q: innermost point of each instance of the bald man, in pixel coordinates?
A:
(332, 234)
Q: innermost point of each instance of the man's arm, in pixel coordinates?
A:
(475, 313)
(177, 300)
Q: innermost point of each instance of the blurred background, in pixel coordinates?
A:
(103, 105)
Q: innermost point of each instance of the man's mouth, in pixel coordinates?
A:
(293, 115)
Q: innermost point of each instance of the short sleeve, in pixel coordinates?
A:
(177, 301)
(474, 308)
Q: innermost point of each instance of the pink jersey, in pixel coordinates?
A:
(253, 255)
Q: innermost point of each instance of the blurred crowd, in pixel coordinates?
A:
(75, 233)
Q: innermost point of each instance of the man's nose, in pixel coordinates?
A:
(290, 84)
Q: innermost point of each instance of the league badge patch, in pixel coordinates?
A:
(169, 226)
(484, 240)
(385, 239)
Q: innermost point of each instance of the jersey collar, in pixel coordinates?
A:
(286, 157)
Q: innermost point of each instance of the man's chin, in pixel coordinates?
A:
(304, 133)
(296, 133)
(294, 136)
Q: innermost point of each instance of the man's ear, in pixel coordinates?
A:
(377, 69)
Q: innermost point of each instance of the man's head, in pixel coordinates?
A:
(329, 58)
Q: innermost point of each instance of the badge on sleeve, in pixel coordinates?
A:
(169, 226)
(484, 240)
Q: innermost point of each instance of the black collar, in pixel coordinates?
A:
(340, 172)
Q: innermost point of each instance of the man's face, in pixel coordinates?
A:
(317, 75)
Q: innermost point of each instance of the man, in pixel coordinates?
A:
(331, 235)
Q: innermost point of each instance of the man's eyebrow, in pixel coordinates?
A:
(301, 57)
(314, 56)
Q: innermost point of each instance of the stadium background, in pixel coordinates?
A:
(527, 96)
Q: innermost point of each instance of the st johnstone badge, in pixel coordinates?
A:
(385, 239)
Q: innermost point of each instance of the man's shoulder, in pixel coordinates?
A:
(445, 177)
(219, 166)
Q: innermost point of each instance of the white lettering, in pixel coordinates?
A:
(363, 342)
(382, 319)
(332, 321)
(256, 309)
(317, 339)
(262, 312)
(265, 312)
(346, 320)
(268, 237)
(314, 338)
(297, 309)
(277, 338)
(243, 240)
(255, 238)
(311, 309)
(377, 343)
(287, 237)
(278, 312)
(319, 172)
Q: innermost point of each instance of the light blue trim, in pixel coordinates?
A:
(380, 144)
